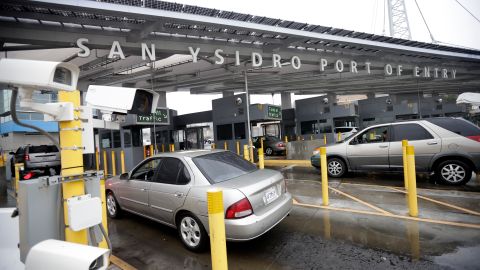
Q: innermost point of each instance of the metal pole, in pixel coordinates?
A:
(155, 113)
(249, 135)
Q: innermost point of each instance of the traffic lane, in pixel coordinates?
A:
(386, 179)
(300, 241)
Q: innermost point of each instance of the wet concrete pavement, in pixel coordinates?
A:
(315, 238)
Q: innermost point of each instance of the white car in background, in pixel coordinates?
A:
(345, 132)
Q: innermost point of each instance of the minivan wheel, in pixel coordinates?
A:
(454, 172)
(192, 233)
(336, 167)
(113, 208)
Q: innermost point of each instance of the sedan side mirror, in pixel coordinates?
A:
(124, 176)
(11, 153)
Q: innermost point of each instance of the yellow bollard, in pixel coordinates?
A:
(151, 150)
(114, 169)
(339, 136)
(325, 139)
(216, 223)
(105, 164)
(261, 142)
(213, 146)
(225, 145)
(311, 137)
(405, 169)
(173, 147)
(245, 152)
(323, 165)
(412, 182)
(18, 168)
(97, 160)
(144, 152)
(238, 148)
(250, 147)
(122, 160)
(163, 148)
(286, 139)
(261, 162)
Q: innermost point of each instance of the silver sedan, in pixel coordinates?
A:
(171, 188)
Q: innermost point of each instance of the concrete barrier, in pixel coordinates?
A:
(302, 150)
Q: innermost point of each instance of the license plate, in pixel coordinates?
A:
(270, 195)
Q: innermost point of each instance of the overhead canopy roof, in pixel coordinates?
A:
(174, 27)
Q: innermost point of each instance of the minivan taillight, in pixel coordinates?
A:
(239, 209)
(26, 157)
(475, 138)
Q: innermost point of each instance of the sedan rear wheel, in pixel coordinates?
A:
(454, 172)
(269, 151)
(336, 167)
(192, 233)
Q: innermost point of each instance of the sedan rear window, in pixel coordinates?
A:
(456, 125)
(222, 166)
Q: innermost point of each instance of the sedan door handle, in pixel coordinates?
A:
(432, 143)
(383, 146)
(143, 189)
(178, 194)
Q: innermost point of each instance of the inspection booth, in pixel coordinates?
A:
(391, 108)
(318, 117)
(230, 120)
(194, 130)
(132, 137)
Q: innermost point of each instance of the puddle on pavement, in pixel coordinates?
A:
(443, 244)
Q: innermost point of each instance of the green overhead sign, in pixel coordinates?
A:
(159, 117)
(274, 112)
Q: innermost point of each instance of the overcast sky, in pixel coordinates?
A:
(447, 20)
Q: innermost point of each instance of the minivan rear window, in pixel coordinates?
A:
(456, 125)
(222, 166)
(42, 149)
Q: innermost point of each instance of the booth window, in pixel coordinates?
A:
(224, 132)
(137, 137)
(127, 138)
(116, 139)
(239, 131)
(326, 129)
(106, 140)
(309, 127)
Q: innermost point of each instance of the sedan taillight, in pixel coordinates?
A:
(280, 144)
(475, 138)
(239, 209)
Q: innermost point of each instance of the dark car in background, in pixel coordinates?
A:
(36, 158)
(271, 145)
(447, 147)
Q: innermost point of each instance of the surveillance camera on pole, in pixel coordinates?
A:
(30, 75)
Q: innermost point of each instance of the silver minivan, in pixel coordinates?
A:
(447, 147)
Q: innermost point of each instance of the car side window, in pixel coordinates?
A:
(183, 175)
(374, 135)
(146, 171)
(168, 172)
(411, 132)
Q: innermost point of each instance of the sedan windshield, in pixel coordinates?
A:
(222, 166)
